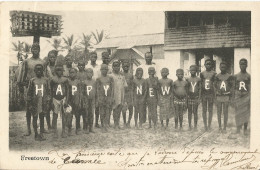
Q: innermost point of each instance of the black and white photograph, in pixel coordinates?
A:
(131, 89)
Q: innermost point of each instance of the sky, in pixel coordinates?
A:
(113, 23)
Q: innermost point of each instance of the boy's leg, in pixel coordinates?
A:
(219, 111)
(245, 128)
(130, 109)
(204, 112)
(97, 117)
(86, 117)
(35, 117)
(154, 114)
(63, 123)
(91, 117)
(225, 110)
(54, 124)
(176, 115)
(141, 116)
(48, 119)
(28, 121)
(190, 115)
(210, 109)
(41, 116)
(195, 111)
(181, 114)
(102, 116)
(77, 116)
(136, 115)
(149, 105)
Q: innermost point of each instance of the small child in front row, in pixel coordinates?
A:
(38, 99)
(152, 96)
(82, 76)
(194, 95)
(165, 97)
(140, 91)
(60, 94)
(207, 93)
(180, 89)
(89, 93)
(74, 99)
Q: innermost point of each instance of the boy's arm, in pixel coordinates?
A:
(112, 90)
(30, 92)
(199, 86)
(145, 91)
(67, 93)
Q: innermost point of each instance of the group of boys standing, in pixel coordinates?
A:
(101, 90)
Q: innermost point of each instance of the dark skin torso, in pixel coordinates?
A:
(63, 82)
(180, 88)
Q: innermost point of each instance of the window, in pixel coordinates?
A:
(171, 20)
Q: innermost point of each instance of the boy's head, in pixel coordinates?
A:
(52, 56)
(164, 72)
(180, 73)
(126, 65)
(193, 70)
(59, 70)
(151, 71)
(93, 57)
(105, 57)
(104, 69)
(89, 73)
(38, 69)
(35, 49)
(148, 57)
(139, 73)
(68, 60)
(116, 66)
(208, 64)
(243, 64)
(223, 66)
(81, 65)
(73, 73)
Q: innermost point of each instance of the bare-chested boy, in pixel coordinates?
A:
(119, 93)
(165, 97)
(89, 93)
(194, 95)
(26, 73)
(242, 96)
(38, 99)
(140, 91)
(223, 90)
(128, 93)
(207, 93)
(104, 96)
(180, 91)
(82, 76)
(152, 97)
(75, 97)
(60, 95)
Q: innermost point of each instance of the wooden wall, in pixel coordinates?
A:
(208, 36)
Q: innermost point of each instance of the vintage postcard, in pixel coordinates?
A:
(130, 85)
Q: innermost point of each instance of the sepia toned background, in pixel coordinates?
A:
(136, 6)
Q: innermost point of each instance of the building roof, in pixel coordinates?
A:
(124, 42)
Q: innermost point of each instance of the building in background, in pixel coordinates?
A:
(124, 46)
(192, 37)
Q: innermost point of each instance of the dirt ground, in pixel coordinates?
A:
(129, 138)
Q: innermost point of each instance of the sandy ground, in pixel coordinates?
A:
(128, 138)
